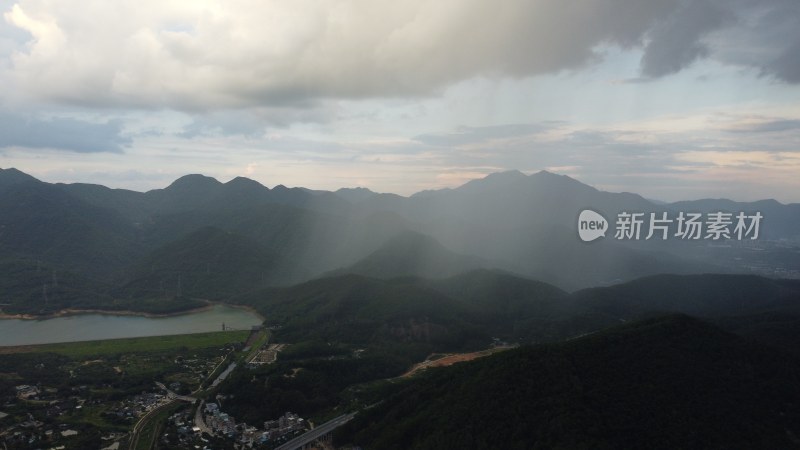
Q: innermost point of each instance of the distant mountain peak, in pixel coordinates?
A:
(547, 175)
(552, 180)
(13, 176)
(194, 181)
(508, 174)
(411, 253)
(355, 194)
(245, 182)
(354, 189)
(494, 180)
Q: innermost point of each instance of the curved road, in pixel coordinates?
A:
(312, 435)
(140, 425)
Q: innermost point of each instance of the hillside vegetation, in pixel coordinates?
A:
(670, 382)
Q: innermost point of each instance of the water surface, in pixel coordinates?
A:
(90, 327)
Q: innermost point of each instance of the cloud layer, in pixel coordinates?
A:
(670, 98)
(61, 134)
(203, 55)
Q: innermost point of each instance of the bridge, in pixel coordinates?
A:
(320, 433)
(173, 396)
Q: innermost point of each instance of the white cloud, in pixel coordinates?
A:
(199, 55)
(402, 96)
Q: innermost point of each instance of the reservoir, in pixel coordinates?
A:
(90, 327)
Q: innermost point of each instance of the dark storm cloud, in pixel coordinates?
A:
(768, 126)
(675, 42)
(787, 66)
(61, 134)
(764, 35)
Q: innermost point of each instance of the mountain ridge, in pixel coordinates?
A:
(7, 174)
(523, 224)
(639, 385)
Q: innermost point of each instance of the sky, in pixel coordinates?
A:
(671, 99)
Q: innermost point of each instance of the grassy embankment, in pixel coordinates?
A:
(133, 345)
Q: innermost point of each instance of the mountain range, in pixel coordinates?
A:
(467, 310)
(605, 367)
(623, 344)
(202, 239)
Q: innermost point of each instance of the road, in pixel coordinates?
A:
(199, 422)
(141, 424)
(312, 435)
(172, 395)
(223, 375)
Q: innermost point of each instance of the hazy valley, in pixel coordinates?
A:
(586, 339)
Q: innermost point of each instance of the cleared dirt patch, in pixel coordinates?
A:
(439, 360)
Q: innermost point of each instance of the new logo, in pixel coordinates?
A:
(591, 225)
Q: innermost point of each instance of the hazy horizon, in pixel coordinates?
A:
(276, 184)
(669, 99)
